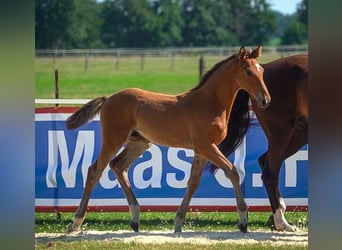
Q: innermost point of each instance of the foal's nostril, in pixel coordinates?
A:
(266, 102)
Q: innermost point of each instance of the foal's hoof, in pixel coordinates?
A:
(243, 228)
(135, 226)
(73, 230)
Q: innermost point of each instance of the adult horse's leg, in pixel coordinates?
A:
(270, 163)
(298, 139)
(136, 145)
(274, 195)
(94, 174)
(197, 167)
(213, 154)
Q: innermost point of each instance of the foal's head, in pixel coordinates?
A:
(251, 76)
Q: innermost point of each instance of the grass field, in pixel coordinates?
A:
(102, 78)
(160, 221)
(51, 223)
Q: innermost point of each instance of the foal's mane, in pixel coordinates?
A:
(206, 76)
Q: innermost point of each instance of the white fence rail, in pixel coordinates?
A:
(61, 101)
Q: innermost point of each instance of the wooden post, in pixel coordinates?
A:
(142, 61)
(173, 60)
(201, 66)
(117, 61)
(86, 62)
(56, 86)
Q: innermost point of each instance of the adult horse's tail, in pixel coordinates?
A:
(85, 113)
(237, 126)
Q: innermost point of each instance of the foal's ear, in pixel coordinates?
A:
(257, 52)
(242, 53)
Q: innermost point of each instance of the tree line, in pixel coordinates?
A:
(84, 24)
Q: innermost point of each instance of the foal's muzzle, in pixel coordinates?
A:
(263, 100)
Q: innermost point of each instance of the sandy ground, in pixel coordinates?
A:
(195, 237)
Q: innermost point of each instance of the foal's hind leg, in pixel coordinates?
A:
(94, 174)
(136, 145)
(197, 167)
(214, 155)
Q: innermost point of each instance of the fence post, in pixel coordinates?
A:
(173, 60)
(117, 60)
(54, 60)
(86, 62)
(56, 86)
(201, 66)
(142, 61)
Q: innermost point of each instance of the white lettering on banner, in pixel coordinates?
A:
(57, 144)
(239, 163)
(291, 167)
(290, 170)
(58, 151)
(179, 164)
(105, 181)
(156, 164)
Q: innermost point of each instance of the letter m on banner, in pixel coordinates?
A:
(57, 146)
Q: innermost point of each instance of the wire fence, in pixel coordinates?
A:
(98, 62)
(168, 52)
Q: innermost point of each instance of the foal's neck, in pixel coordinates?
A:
(221, 87)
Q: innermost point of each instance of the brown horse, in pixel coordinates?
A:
(285, 123)
(196, 120)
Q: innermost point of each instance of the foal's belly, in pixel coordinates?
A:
(166, 136)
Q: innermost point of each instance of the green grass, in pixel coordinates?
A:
(102, 78)
(198, 221)
(102, 245)
(195, 221)
(176, 246)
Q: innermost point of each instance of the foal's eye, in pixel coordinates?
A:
(249, 73)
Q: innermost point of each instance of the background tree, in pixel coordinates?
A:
(66, 24)
(130, 23)
(85, 23)
(52, 19)
(171, 23)
(297, 30)
(200, 25)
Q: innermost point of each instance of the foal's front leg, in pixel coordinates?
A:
(197, 167)
(213, 154)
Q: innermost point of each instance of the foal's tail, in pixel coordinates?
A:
(85, 113)
(237, 126)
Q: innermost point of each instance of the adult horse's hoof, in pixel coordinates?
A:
(135, 226)
(243, 228)
(270, 223)
(283, 227)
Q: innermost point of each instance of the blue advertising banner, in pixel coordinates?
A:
(158, 177)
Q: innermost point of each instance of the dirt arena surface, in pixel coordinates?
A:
(195, 237)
